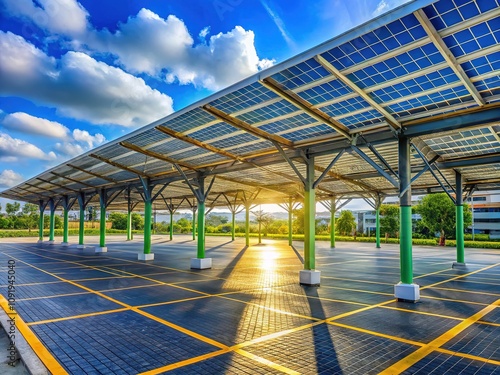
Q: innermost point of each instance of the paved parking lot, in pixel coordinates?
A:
(111, 314)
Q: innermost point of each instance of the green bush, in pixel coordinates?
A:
(477, 237)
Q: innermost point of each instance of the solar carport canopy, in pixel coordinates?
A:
(428, 70)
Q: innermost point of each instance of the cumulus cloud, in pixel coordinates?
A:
(85, 137)
(66, 17)
(78, 85)
(25, 123)
(13, 148)
(9, 178)
(149, 44)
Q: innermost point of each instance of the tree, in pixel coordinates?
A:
(137, 221)
(184, 225)
(30, 214)
(438, 215)
(389, 222)
(263, 219)
(12, 208)
(345, 223)
(215, 220)
(118, 220)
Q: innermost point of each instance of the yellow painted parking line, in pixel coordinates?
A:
(270, 308)
(477, 282)
(171, 302)
(413, 358)
(421, 312)
(186, 362)
(55, 320)
(358, 290)
(140, 312)
(453, 300)
(349, 313)
(326, 298)
(460, 276)
(359, 281)
(467, 291)
(267, 362)
(41, 351)
(468, 356)
(53, 296)
(31, 284)
(373, 333)
(431, 273)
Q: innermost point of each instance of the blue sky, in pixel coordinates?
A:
(74, 75)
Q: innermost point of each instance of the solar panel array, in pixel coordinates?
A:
(407, 66)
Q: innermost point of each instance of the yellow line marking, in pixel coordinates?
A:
(143, 313)
(466, 291)
(460, 276)
(373, 333)
(358, 290)
(469, 356)
(453, 300)
(53, 296)
(41, 351)
(421, 353)
(267, 362)
(326, 299)
(171, 302)
(430, 274)
(421, 312)
(270, 308)
(77, 316)
(184, 363)
(358, 281)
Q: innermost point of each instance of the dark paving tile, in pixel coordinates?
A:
(492, 317)
(229, 364)
(115, 283)
(447, 308)
(439, 363)
(43, 290)
(131, 344)
(226, 321)
(411, 326)
(60, 307)
(479, 339)
(177, 277)
(150, 294)
(84, 273)
(327, 349)
(459, 295)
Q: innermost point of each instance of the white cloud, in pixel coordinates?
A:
(65, 17)
(9, 178)
(25, 123)
(78, 85)
(11, 148)
(204, 32)
(149, 44)
(85, 137)
(279, 24)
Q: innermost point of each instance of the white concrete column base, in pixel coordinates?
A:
(39, 241)
(309, 277)
(201, 264)
(143, 256)
(65, 244)
(101, 249)
(459, 265)
(407, 292)
(80, 246)
(51, 242)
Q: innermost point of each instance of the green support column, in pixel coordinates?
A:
(405, 290)
(201, 231)
(459, 221)
(377, 228)
(171, 225)
(310, 219)
(233, 221)
(247, 224)
(52, 222)
(41, 207)
(129, 225)
(333, 210)
(290, 222)
(148, 211)
(81, 231)
(65, 227)
(103, 203)
(406, 245)
(102, 227)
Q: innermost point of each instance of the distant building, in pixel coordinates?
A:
(486, 213)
